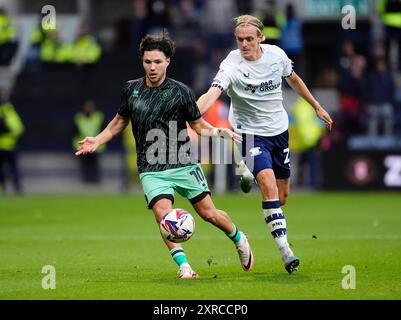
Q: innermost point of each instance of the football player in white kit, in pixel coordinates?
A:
(252, 76)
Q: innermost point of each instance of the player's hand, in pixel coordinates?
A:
(226, 133)
(87, 145)
(323, 114)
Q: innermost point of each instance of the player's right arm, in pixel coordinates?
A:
(206, 100)
(90, 144)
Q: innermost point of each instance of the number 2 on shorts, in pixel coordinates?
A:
(287, 155)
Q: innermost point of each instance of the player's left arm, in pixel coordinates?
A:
(204, 128)
(296, 83)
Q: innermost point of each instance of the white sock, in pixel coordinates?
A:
(275, 220)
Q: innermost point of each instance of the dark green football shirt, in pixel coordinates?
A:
(158, 117)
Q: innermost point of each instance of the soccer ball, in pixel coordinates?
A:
(177, 225)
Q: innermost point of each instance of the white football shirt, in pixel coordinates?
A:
(255, 90)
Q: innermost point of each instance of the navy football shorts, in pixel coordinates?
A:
(262, 152)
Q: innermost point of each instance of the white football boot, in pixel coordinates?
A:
(186, 272)
(245, 253)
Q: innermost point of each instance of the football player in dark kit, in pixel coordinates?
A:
(159, 108)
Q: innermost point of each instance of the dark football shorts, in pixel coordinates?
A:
(262, 152)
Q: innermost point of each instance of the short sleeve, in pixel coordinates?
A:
(124, 109)
(288, 65)
(222, 78)
(192, 110)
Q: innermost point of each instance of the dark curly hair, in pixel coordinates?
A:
(161, 42)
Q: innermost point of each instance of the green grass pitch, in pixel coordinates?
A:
(108, 247)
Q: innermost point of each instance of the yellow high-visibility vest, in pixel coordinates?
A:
(64, 53)
(12, 120)
(306, 130)
(272, 33)
(88, 127)
(391, 19)
(86, 50)
(7, 30)
(48, 50)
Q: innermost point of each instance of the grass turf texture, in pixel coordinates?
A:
(108, 247)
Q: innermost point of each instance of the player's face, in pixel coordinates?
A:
(248, 42)
(155, 64)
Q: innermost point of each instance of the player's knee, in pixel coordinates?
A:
(210, 217)
(270, 190)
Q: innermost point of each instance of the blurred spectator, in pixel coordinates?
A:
(202, 72)
(352, 89)
(39, 36)
(186, 22)
(291, 40)
(8, 36)
(380, 98)
(139, 24)
(186, 29)
(53, 52)
(205, 66)
(390, 12)
(89, 122)
(218, 24)
(159, 15)
(306, 132)
(244, 6)
(346, 56)
(11, 128)
(378, 51)
(86, 50)
(273, 21)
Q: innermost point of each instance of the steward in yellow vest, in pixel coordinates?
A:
(306, 130)
(390, 11)
(273, 21)
(305, 134)
(88, 123)
(85, 49)
(11, 129)
(8, 38)
(7, 30)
